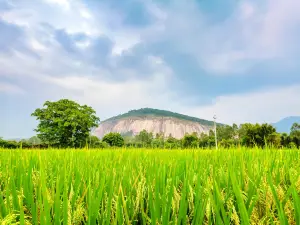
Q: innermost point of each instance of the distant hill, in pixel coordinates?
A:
(160, 113)
(284, 125)
(155, 121)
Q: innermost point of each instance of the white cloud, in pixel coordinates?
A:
(62, 15)
(36, 45)
(251, 33)
(75, 17)
(81, 81)
(268, 105)
(62, 3)
(256, 31)
(111, 98)
(124, 42)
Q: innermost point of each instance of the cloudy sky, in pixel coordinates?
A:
(238, 59)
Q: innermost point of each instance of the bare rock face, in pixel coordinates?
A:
(155, 124)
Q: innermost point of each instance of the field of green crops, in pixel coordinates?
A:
(149, 187)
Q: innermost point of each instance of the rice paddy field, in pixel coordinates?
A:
(236, 186)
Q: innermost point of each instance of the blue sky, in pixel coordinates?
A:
(236, 59)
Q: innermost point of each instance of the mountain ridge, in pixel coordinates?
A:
(155, 121)
(159, 112)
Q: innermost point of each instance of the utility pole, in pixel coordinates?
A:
(216, 139)
(163, 132)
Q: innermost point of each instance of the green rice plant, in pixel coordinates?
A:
(147, 186)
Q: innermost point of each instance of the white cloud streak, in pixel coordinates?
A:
(267, 105)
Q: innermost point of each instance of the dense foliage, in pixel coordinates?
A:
(150, 187)
(33, 142)
(65, 123)
(248, 135)
(114, 139)
(161, 113)
(9, 144)
(295, 134)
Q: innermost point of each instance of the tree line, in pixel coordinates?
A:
(248, 135)
(66, 124)
(33, 142)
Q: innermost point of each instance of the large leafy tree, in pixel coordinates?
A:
(65, 123)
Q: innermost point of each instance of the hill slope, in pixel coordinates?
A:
(153, 120)
(284, 125)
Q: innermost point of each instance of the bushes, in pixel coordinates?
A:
(9, 144)
(114, 139)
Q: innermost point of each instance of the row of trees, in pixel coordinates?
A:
(258, 135)
(33, 142)
(249, 135)
(65, 124)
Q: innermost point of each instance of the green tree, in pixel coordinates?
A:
(144, 138)
(204, 140)
(256, 134)
(157, 143)
(172, 143)
(225, 132)
(285, 140)
(274, 140)
(227, 135)
(2, 142)
(235, 129)
(159, 140)
(114, 139)
(190, 140)
(65, 123)
(295, 128)
(9, 144)
(295, 134)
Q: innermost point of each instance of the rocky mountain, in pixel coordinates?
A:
(153, 120)
(284, 125)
